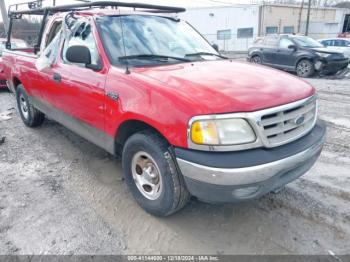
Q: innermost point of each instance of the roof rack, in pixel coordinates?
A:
(97, 4)
(31, 5)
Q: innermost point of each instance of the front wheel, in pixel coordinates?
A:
(152, 176)
(305, 68)
(256, 59)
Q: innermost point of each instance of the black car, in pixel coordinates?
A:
(300, 54)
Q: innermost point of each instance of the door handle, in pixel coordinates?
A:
(57, 77)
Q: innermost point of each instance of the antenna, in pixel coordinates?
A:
(123, 40)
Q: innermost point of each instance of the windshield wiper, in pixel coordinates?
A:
(206, 53)
(152, 56)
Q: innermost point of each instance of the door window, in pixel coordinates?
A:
(84, 37)
(327, 43)
(285, 42)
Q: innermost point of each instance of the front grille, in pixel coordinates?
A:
(288, 123)
(2, 82)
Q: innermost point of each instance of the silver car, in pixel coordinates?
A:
(337, 44)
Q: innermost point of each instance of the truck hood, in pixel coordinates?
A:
(226, 86)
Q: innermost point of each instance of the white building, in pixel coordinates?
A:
(234, 27)
(231, 27)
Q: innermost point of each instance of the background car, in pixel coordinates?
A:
(337, 44)
(16, 43)
(300, 54)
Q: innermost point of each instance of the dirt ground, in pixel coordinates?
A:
(59, 194)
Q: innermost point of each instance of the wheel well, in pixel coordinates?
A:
(127, 129)
(16, 82)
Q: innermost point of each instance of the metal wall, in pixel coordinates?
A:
(233, 28)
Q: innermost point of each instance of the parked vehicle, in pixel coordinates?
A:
(185, 120)
(295, 53)
(17, 43)
(337, 44)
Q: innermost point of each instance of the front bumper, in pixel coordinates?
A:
(238, 176)
(333, 66)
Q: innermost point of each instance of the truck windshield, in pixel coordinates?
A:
(150, 40)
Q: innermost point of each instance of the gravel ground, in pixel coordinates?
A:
(59, 194)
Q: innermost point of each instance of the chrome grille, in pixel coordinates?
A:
(288, 123)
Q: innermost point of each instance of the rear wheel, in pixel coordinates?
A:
(31, 116)
(152, 176)
(256, 59)
(305, 68)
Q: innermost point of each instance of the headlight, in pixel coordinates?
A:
(222, 132)
(323, 54)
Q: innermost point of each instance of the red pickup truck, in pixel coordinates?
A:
(186, 121)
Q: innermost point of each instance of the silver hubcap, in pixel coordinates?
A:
(256, 60)
(24, 106)
(146, 175)
(303, 68)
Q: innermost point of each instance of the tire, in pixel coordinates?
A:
(152, 176)
(31, 116)
(256, 59)
(305, 68)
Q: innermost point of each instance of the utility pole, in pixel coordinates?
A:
(308, 18)
(300, 15)
(4, 15)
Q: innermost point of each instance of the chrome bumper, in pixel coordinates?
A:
(253, 174)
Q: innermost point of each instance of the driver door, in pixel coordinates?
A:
(79, 93)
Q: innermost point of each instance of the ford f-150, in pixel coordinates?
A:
(144, 85)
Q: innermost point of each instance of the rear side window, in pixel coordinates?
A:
(25, 31)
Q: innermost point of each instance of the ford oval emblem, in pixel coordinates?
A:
(299, 120)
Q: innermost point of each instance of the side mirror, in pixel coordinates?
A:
(294, 47)
(216, 47)
(78, 54)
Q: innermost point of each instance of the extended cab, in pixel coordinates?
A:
(185, 120)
